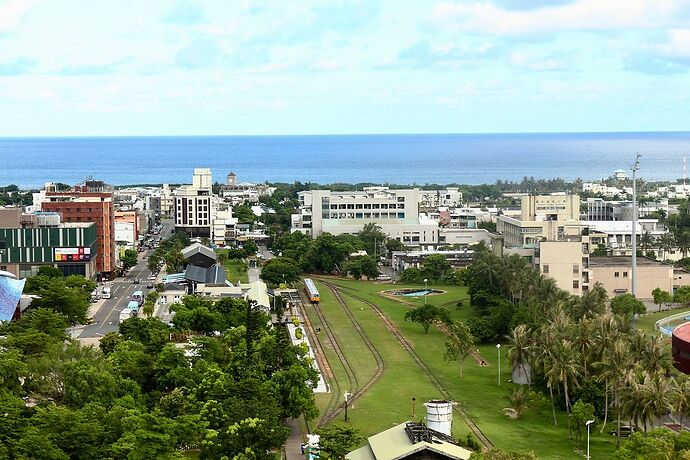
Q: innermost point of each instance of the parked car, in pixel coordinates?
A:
(626, 431)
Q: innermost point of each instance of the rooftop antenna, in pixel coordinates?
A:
(633, 240)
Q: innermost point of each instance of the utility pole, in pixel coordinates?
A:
(633, 238)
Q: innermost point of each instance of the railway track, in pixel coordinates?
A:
(476, 431)
(360, 391)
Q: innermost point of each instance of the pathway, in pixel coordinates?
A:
(294, 441)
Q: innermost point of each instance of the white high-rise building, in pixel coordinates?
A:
(195, 206)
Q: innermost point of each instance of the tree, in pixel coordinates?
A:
(627, 304)
(661, 297)
(580, 414)
(682, 295)
(497, 454)
(373, 238)
(250, 247)
(129, 259)
(362, 265)
(244, 214)
(520, 351)
(54, 294)
(411, 275)
(49, 271)
(428, 314)
(435, 267)
(393, 244)
(459, 344)
(280, 270)
(337, 440)
(600, 251)
(656, 445)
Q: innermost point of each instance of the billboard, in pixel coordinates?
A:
(10, 293)
(80, 254)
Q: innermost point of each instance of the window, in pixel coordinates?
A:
(625, 274)
(576, 284)
(367, 206)
(376, 206)
(401, 199)
(358, 215)
(359, 206)
(375, 215)
(617, 275)
(545, 269)
(384, 206)
(576, 269)
(350, 206)
(367, 215)
(401, 215)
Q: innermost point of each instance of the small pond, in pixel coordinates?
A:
(414, 292)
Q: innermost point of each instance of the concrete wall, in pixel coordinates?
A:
(562, 261)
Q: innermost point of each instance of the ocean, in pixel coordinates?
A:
(400, 159)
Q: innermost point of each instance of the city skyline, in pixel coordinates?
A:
(260, 68)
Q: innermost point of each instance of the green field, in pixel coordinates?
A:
(237, 270)
(389, 401)
(647, 322)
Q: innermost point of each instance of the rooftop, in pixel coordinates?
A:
(682, 332)
(623, 261)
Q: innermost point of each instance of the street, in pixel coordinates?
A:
(106, 312)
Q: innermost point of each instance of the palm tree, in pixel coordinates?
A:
(657, 396)
(655, 359)
(682, 403)
(148, 309)
(615, 361)
(666, 243)
(585, 340)
(564, 367)
(520, 351)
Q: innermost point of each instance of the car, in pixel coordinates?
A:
(626, 431)
(149, 286)
(136, 281)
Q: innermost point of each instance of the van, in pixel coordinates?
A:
(383, 278)
(95, 295)
(106, 292)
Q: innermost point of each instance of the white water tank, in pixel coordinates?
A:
(439, 415)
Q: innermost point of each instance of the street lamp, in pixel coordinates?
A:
(425, 289)
(633, 239)
(414, 415)
(347, 397)
(588, 423)
(498, 347)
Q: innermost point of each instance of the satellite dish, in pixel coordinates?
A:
(7, 274)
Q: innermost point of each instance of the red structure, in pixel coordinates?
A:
(90, 201)
(680, 345)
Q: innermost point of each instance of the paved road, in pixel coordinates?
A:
(106, 313)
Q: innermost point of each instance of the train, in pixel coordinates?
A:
(312, 292)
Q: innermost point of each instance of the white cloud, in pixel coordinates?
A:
(678, 45)
(12, 11)
(486, 17)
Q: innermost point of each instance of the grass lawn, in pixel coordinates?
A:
(237, 270)
(477, 392)
(647, 321)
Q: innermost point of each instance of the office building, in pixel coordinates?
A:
(195, 206)
(89, 201)
(395, 211)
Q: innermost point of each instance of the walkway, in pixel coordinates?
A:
(294, 441)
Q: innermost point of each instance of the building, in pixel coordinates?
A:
(90, 201)
(542, 217)
(395, 211)
(620, 174)
(127, 228)
(35, 240)
(615, 275)
(619, 233)
(599, 209)
(238, 193)
(465, 237)
(224, 231)
(431, 199)
(680, 348)
(167, 202)
(567, 262)
(402, 260)
(195, 205)
(410, 440)
(199, 255)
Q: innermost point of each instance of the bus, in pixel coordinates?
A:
(312, 292)
(138, 296)
(133, 306)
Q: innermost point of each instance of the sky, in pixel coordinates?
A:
(235, 67)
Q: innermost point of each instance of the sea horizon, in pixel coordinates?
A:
(404, 159)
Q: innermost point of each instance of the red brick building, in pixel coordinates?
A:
(90, 201)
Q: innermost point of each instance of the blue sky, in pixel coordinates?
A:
(91, 67)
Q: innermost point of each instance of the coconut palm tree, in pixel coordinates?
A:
(520, 351)
(585, 341)
(564, 367)
(682, 403)
(615, 361)
(655, 359)
(657, 395)
(646, 241)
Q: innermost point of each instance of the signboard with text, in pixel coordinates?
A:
(80, 254)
